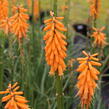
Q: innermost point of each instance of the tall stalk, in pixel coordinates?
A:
(10, 52)
(55, 7)
(1, 66)
(67, 16)
(59, 92)
(58, 79)
(33, 20)
(97, 8)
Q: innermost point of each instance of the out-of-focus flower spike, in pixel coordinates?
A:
(3, 9)
(99, 37)
(94, 8)
(19, 22)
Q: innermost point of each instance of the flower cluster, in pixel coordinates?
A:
(13, 98)
(99, 37)
(19, 22)
(87, 78)
(55, 44)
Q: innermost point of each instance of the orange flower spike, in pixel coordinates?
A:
(29, 4)
(99, 37)
(36, 9)
(19, 22)
(55, 48)
(3, 9)
(94, 8)
(14, 99)
(87, 78)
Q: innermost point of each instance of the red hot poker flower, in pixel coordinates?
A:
(87, 78)
(19, 22)
(13, 98)
(99, 37)
(55, 44)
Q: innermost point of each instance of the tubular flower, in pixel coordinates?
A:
(94, 8)
(3, 9)
(86, 80)
(55, 44)
(19, 22)
(99, 36)
(13, 98)
(6, 25)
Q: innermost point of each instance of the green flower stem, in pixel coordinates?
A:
(55, 7)
(67, 16)
(59, 92)
(1, 67)
(33, 26)
(58, 79)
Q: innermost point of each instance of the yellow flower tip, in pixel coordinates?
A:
(96, 54)
(61, 74)
(52, 13)
(70, 62)
(103, 28)
(15, 84)
(86, 54)
(93, 28)
(51, 73)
